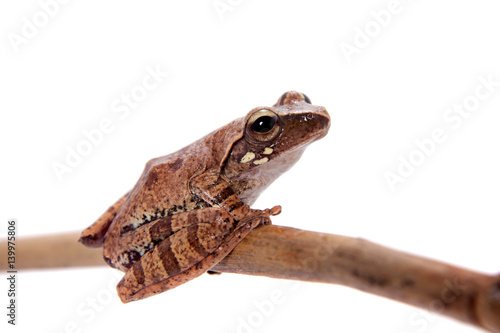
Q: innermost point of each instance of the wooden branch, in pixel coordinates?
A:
(288, 253)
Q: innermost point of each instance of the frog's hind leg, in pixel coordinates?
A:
(93, 236)
(186, 254)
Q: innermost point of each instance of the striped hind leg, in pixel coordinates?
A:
(187, 254)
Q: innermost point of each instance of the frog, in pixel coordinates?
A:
(190, 209)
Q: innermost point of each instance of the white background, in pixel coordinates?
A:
(65, 77)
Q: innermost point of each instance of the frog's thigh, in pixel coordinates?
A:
(184, 255)
(158, 230)
(93, 236)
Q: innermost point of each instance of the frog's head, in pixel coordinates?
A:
(274, 139)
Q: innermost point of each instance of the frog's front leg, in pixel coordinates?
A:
(189, 252)
(216, 192)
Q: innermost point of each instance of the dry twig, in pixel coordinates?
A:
(287, 253)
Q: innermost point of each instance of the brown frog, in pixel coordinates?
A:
(189, 209)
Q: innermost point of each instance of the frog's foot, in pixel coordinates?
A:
(276, 210)
(259, 217)
(267, 213)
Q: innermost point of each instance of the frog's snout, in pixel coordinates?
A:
(322, 121)
(302, 121)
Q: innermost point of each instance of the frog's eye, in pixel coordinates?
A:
(263, 126)
(306, 99)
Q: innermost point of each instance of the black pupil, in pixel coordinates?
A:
(264, 124)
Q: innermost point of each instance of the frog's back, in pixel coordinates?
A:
(163, 188)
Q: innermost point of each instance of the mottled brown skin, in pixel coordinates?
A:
(189, 209)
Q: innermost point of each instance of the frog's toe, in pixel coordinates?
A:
(276, 210)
